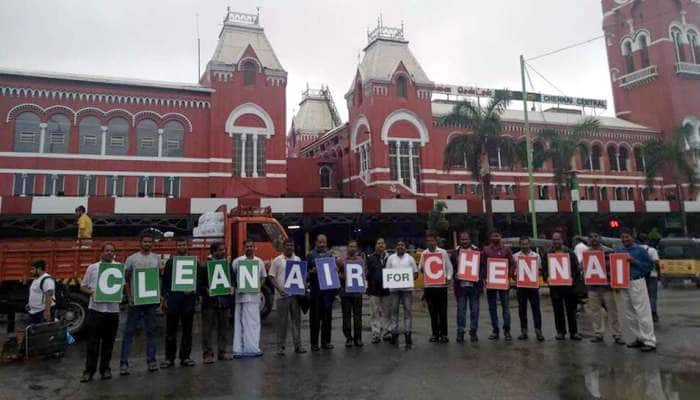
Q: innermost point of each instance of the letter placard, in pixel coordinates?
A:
(327, 273)
(110, 283)
(594, 268)
(219, 274)
(184, 274)
(248, 275)
(497, 273)
(468, 267)
(433, 269)
(528, 272)
(145, 288)
(397, 278)
(620, 271)
(354, 276)
(559, 269)
(294, 277)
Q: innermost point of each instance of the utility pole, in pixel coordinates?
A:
(575, 197)
(528, 142)
(199, 53)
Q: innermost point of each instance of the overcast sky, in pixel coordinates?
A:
(463, 42)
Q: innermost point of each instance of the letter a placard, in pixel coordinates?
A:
(248, 275)
(620, 271)
(219, 274)
(497, 273)
(594, 268)
(468, 266)
(433, 269)
(528, 273)
(184, 274)
(294, 277)
(110, 283)
(559, 269)
(327, 273)
(145, 285)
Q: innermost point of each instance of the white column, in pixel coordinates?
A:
(617, 161)
(255, 156)
(410, 166)
(24, 185)
(498, 150)
(243, 137)
(114, 186)
(160, 142)
(103, 143)
(398, 161)
(42, 136)
(54, 178)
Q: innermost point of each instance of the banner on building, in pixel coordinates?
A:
(559, 269)
(620, 271)
(184, 274)
(145, 285)
(468, 265)
(355, 276)
(497, 273)
(219, 274)
(110, 283)
(295, 277)
(594, 268)
(327, 273)
(433, 269)
(397, 278)
(528, 272)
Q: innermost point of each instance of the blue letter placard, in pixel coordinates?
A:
(327, 273)
(354, 276)
(294, 277)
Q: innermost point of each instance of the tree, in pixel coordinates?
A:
(670, 155)
(436, 219)
(486, 136)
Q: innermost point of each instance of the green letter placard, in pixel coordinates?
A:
(145, 285)
(219, 277)
(110, 283)
(248, 276)
(184, 274)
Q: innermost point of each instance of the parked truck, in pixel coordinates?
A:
(68, 259)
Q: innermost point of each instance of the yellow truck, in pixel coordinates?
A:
(680, 260)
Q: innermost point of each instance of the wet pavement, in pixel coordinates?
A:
(483, 370)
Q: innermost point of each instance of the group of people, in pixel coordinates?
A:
(606, 304)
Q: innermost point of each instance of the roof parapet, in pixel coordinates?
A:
(242, 19)
(385, 32)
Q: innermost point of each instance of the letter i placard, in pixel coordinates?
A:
(327, 273)
(145, 285)
(110, 283)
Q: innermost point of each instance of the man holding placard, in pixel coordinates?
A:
(379, 299)
(250, 273)
(352, 278)
(601, 297)
(437, 271)
(321, 300)
(214, 286)
(638, 317)
(288, 276)
(528, 268)
(467, 285)
(399, 276)
(142, 273)
(179, 293)
(104, 283)
(562, 271)
(495, 250)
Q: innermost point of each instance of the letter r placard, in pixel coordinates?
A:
(110, 283)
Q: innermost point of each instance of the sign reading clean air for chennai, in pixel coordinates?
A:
(110, 283)
(145, 285)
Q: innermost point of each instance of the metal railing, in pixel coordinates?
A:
(639, 77)
(688, 69)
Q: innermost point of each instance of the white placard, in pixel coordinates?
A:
(398, 278)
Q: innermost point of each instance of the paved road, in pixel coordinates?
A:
(485, 370)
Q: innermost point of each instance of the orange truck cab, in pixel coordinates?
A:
(68, 259)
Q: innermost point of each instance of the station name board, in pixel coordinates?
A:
(473, 91)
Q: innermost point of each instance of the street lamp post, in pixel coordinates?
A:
(575, 198)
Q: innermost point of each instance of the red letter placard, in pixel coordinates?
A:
(594, 268)
(497, 273)
(468, 267)
(620, 271)
(527, 272)
(559, 269)
(433, 269)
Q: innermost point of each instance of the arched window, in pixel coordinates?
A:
(590, 193)
(630, 194)
(249, 155)
(27, 133)
(629, 57)
(622, 157)
(173, 139)
(147, 138)
(404, 163)
(538, 154)
(639, 161)
(326, 177)
(644, 50)
(90, 136)
(544, 192)
(612, 158)
(117, 137)
(401, 86)
(57, 134)
(248, 73)
(677, 37)
(596, 153)
(602, 193)
(694, 47)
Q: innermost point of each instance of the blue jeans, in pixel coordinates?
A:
(493, 295)
(468, 296)
(134, 316)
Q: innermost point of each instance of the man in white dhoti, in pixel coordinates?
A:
(246, 329)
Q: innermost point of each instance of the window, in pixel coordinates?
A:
(87, 185)
(326, 176)
(27, 133)
(629, 57)
(639, 161)
(393, 171)
(249, 155)
(404, 163)
(117, 137)
(114, 186)
(613, 160)
(89, 136)
(622, 156)
(602, 193)
(415, 155)
(678, 45)
(147, 186)
(460, 188)
(558, 192)
(590, 193)
(401, 87)
(23, 185)
(594, 155)
(544, 192)
(619, 194)
(147, 138)
(248, 73)
(174, 135)
(172, 186)
(57, 134)
(630, 194)
(644, 49)
(363, 152)
(538, 154)
(476, 189)
(257, 233)
(53, 185)
(694, 47)
(260, 155)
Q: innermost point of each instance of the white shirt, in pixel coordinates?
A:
(578, 250)
(36, 294)
(249, 297)
(654, 255)
(405, 261)
(90, 282)
(446, 262)
(278, 269)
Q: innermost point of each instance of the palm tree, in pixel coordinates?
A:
(486, 137)
(671, 155)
